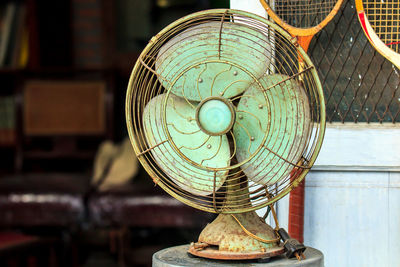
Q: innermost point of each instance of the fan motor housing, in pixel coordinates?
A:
(215, 115)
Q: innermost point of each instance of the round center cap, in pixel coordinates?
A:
(215, 116)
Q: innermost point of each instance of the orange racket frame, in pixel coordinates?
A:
(304, 35)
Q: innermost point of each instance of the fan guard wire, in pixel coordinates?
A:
(243, 195)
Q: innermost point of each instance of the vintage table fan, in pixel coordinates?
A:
(221, 118)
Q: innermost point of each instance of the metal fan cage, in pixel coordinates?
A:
(238, 193)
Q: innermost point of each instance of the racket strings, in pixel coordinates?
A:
(303, 13)
(384, 17)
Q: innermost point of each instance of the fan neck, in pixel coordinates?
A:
(237, 192)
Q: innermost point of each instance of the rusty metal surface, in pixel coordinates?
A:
(214, 253)
(225, 239)
(359, 84)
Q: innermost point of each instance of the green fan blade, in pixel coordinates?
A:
(209, 60)
(281, 117)
(197, 150)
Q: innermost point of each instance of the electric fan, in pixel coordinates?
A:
(222, 118)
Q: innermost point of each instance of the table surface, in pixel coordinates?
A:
(178, 256)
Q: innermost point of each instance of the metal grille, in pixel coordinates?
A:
(225, 56)
(359, 84)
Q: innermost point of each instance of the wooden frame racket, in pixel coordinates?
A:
(304, 35)
(321, 12)
(380, 21)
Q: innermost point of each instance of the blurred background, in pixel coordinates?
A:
(71, 190)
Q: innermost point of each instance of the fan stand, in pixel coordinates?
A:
(226, 238)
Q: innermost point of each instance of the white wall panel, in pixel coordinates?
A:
(393, 245)
(369, 147)
(253, 6)
(347, 217)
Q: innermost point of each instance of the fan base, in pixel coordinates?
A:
(225, 239)
(213, 252)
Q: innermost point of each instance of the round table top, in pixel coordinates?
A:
(178, 256)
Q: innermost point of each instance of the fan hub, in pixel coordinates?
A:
(215, 115)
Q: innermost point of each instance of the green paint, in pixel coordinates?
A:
(215, 116)
(190, 155)
(279, 122)
(182, 58)
(182, 66)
